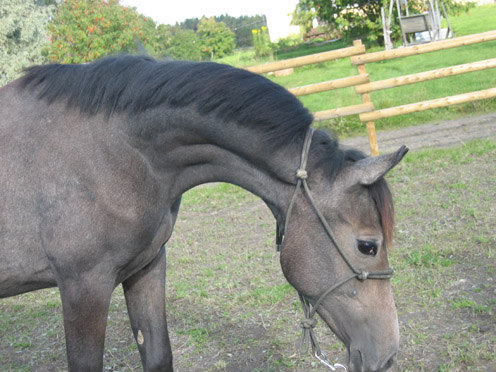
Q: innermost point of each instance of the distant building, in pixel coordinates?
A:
(279, 20)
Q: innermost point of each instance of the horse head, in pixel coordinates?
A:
(337, 231)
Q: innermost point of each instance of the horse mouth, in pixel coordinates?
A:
(356, 363)
(356, 360)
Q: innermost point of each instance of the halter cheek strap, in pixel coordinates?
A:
(308, 334)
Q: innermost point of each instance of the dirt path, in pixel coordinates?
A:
(443, 134)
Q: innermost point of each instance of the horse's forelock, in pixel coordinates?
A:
(381, 195)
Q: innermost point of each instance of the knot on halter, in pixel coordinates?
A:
(308, 323)
(302, 174)
(362, 275)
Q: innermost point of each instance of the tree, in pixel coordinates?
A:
(22, 35)
(185, 45)
(215, 38)
(242, 27)
(351, 17)
(85, 30)
(190, 24)
(361, 18)
(303, 15)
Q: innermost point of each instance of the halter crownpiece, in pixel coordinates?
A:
(308, 324)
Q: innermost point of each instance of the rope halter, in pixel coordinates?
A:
(309, 322)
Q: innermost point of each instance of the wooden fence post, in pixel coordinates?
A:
(374, 148)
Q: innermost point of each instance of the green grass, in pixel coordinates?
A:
(479, 19)
(219, 195)
(229, 305)
(441, 236)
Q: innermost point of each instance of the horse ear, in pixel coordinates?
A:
(369, 170)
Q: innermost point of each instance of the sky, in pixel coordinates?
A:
(170, 12)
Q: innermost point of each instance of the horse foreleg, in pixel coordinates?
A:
(145, 297)
(85, 307)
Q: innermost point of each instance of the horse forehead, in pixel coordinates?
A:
(351, 204)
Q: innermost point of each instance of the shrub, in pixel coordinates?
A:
(85, 30)
(22, 36)
(261, 42)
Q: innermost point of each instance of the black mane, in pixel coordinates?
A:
(133, 84)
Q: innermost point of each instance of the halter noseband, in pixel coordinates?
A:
(307, 324)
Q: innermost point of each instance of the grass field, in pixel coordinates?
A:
(479, 19)
(230, 309)
(229, 306)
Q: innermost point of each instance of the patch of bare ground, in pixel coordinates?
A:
(230, 308)
(440, 134)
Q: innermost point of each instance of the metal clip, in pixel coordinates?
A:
(322, 357)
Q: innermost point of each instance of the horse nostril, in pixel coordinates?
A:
(390, 362)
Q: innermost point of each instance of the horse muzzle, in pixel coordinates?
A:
(359, 361)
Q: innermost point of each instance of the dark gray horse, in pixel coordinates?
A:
(95, 159)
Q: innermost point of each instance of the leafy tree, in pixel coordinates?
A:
(242, 27)
(215, 38)
(303, 15)
(190, 24)
(85, 30)
(353, 18)
(22, 35)
(163, 39)
(185, 45)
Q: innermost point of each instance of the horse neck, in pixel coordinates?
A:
(210, 150)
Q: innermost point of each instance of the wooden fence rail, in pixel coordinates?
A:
(428, 105)
(371, 116)
(343, 111)
(423, 48)
(307, 60)
(346, 82)
(424, 76)
(363, 86)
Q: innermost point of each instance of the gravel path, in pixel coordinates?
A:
(444, 134)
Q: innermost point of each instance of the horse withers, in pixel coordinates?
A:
(95, 159)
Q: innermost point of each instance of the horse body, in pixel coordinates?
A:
(91, 186)
(53, 190)
(53, 193)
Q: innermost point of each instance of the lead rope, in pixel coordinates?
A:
(308, 336)
(308, 324)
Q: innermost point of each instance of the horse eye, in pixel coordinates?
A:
(367, 247)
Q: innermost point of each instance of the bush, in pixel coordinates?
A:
(261, 42)
(22, 36)
(185, 45)
(216, 39)
(85, 30)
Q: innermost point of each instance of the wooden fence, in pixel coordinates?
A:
(363, 86)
